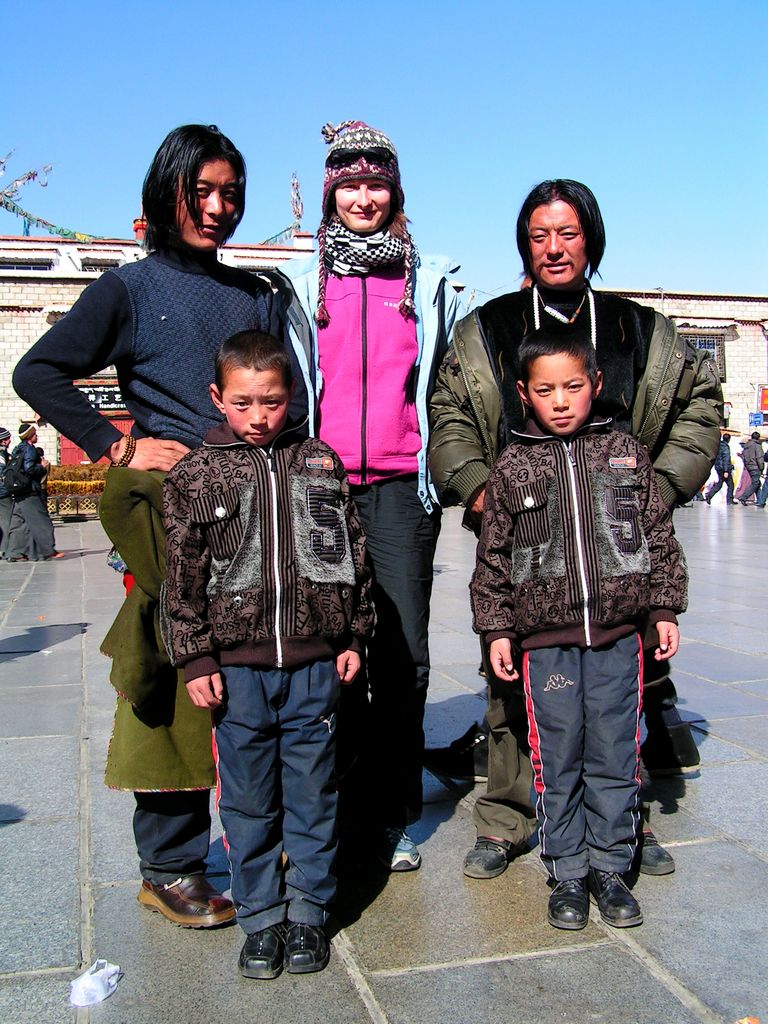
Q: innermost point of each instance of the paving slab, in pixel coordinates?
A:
(37, 999)
(714, 700)
(719, 905)
(595, 984)
(41, 710)
(175, 974)
(448, 914)
(39, 881)
(751, 734)
(719, 664)
(731, 798)
(39, 775)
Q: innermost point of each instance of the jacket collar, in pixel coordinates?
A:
(532, 432)
(222, 436)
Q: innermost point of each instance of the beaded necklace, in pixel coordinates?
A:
(588, 296)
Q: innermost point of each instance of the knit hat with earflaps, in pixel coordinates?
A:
(357, 151)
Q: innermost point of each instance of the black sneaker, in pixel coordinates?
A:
(466, 758)
(262, 954)
(617, 906)
(306, 948)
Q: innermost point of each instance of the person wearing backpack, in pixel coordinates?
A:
(31, 530)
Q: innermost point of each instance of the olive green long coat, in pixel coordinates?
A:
(160, 740)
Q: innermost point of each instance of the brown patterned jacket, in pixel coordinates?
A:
(577, 544)
(265, 556)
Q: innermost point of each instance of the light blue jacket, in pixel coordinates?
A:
(437, 309)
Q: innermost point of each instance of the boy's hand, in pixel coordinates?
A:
(347, 665)
(500, 657)
(669, 640)
(206, 691)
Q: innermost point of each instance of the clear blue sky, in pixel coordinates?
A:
(662, 108)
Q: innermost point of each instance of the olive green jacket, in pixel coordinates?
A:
(676, 414)
(160, 740)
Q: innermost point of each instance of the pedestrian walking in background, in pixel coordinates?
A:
(31, 533)
(724, 469)
(6, 502)
(754, 462)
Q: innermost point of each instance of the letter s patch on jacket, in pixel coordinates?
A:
(323, 549)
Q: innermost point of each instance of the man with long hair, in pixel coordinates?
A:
(655, 386)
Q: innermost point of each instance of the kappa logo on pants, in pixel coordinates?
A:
(557, 682)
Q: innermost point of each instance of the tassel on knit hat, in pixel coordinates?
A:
(357, 151)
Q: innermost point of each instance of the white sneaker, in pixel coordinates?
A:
(398, 852)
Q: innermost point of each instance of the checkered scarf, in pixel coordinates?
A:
(344, 252)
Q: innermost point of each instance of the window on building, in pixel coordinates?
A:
(711, 342)
(98, 266)
(31, 265)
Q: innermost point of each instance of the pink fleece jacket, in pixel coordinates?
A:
(367, 357)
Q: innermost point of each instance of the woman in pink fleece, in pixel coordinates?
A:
(382, 320)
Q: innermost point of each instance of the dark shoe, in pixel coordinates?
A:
(568, 905)
(669, 748)
(652, 858)
(191, 902)
(617, 906)
(707, 499)
(19, 558)
(306, 948)
(465, 758)
(743, 502)
(489, 857)
(263, 953)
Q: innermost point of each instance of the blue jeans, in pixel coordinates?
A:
(276, 746)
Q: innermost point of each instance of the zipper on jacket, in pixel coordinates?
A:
(276, 552)
(480, 420)
(579, 547)
(364, 403)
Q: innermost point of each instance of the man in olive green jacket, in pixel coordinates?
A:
(656, 387)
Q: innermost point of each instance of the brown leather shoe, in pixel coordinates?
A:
(191, 902)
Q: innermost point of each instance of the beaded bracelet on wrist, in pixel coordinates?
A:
(130, 451)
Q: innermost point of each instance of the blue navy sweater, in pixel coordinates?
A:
(160, 322)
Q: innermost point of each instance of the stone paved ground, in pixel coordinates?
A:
(431, 947)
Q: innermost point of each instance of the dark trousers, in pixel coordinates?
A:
(401, 540)
(583, 732)
(275, 740)
(721, 479)
(172, 832)
(6, 513)
(505, 810)
(31, 532)
(753, 486)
